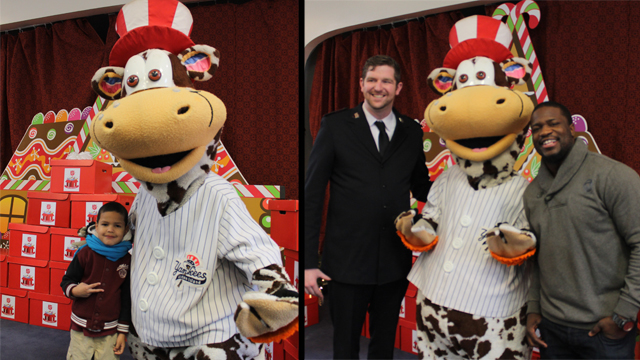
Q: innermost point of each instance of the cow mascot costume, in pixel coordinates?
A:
(473, 233)
(206, 280)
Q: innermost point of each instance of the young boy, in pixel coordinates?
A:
(98, 282)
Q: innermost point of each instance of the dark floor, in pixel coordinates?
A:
(30, 342)
(318, 340)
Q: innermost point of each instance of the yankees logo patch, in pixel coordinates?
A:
(122, 270)
(188, 271)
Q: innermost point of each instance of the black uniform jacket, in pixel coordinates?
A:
(367, 192)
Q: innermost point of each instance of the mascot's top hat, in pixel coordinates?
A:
(478, 36)
(151, 24)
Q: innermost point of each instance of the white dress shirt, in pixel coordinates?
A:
(389, 122)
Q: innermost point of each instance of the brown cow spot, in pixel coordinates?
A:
(439, 353)
(175, 192)
(435, 325)
(472, 327)
(484, 348)
(510, 354)
(489, 168)
(469, 345)
(510, 322)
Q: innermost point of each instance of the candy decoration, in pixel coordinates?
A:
(85, 112)
(62, 116)
(258, 191)
(37, 119)
(74, 114)
(49, 117)
(25, 185)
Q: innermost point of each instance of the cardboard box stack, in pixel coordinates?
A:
(40, 250)
(284, 231)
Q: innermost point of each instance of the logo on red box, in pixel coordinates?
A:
(8, 307)
(71, 180)
(27, 277)
(69, 249)
(48, 213)
(49, 313)
(92, 211)
(29, 242)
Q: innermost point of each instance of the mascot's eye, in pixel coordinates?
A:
(155, 75)
(463, 78)
(132, 80)
(481, 75)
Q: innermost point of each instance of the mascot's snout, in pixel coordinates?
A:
(178, 124)
(479, 122)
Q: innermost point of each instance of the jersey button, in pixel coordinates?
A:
(143, 305)
(465, 221)
(152, 278)
(158, 253)
(457, 243)
(448, 266)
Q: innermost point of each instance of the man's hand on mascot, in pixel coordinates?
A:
(533, 320)
(271, 313)
(311, 287)
(509, 245)
(415, 231)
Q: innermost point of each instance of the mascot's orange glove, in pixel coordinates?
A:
(416, 232)
(509, 245)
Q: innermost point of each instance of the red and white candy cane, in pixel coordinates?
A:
(516, 22)
(84, 133)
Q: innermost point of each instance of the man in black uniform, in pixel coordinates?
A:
(372, 156)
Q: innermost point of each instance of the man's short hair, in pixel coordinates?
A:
(379, 60)
(114, 206)
(563, 109)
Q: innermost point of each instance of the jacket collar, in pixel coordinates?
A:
(360, 127)
(567, 170)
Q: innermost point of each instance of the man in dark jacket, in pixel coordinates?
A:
(583, 208)
(372, 156)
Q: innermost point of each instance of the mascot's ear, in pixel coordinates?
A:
(107, 82)
(517, 70)
(201, 61)
(441, 80)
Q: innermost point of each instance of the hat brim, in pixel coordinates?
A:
(476, 47)
(148, 37)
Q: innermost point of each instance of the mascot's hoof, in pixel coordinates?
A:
(264, 318)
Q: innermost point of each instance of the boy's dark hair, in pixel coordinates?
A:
(114, 206)
(379, 60)
(563, 109)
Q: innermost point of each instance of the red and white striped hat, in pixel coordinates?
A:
(478, 36)
(151, 24)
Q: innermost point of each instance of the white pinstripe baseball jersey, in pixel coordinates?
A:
(459, 272)
(190, 268)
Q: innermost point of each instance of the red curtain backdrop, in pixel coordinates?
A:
(51, 69)
(587, 52)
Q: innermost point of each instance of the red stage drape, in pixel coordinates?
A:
(51, 69)
(587, 52)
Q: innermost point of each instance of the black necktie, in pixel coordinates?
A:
(383, 138)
